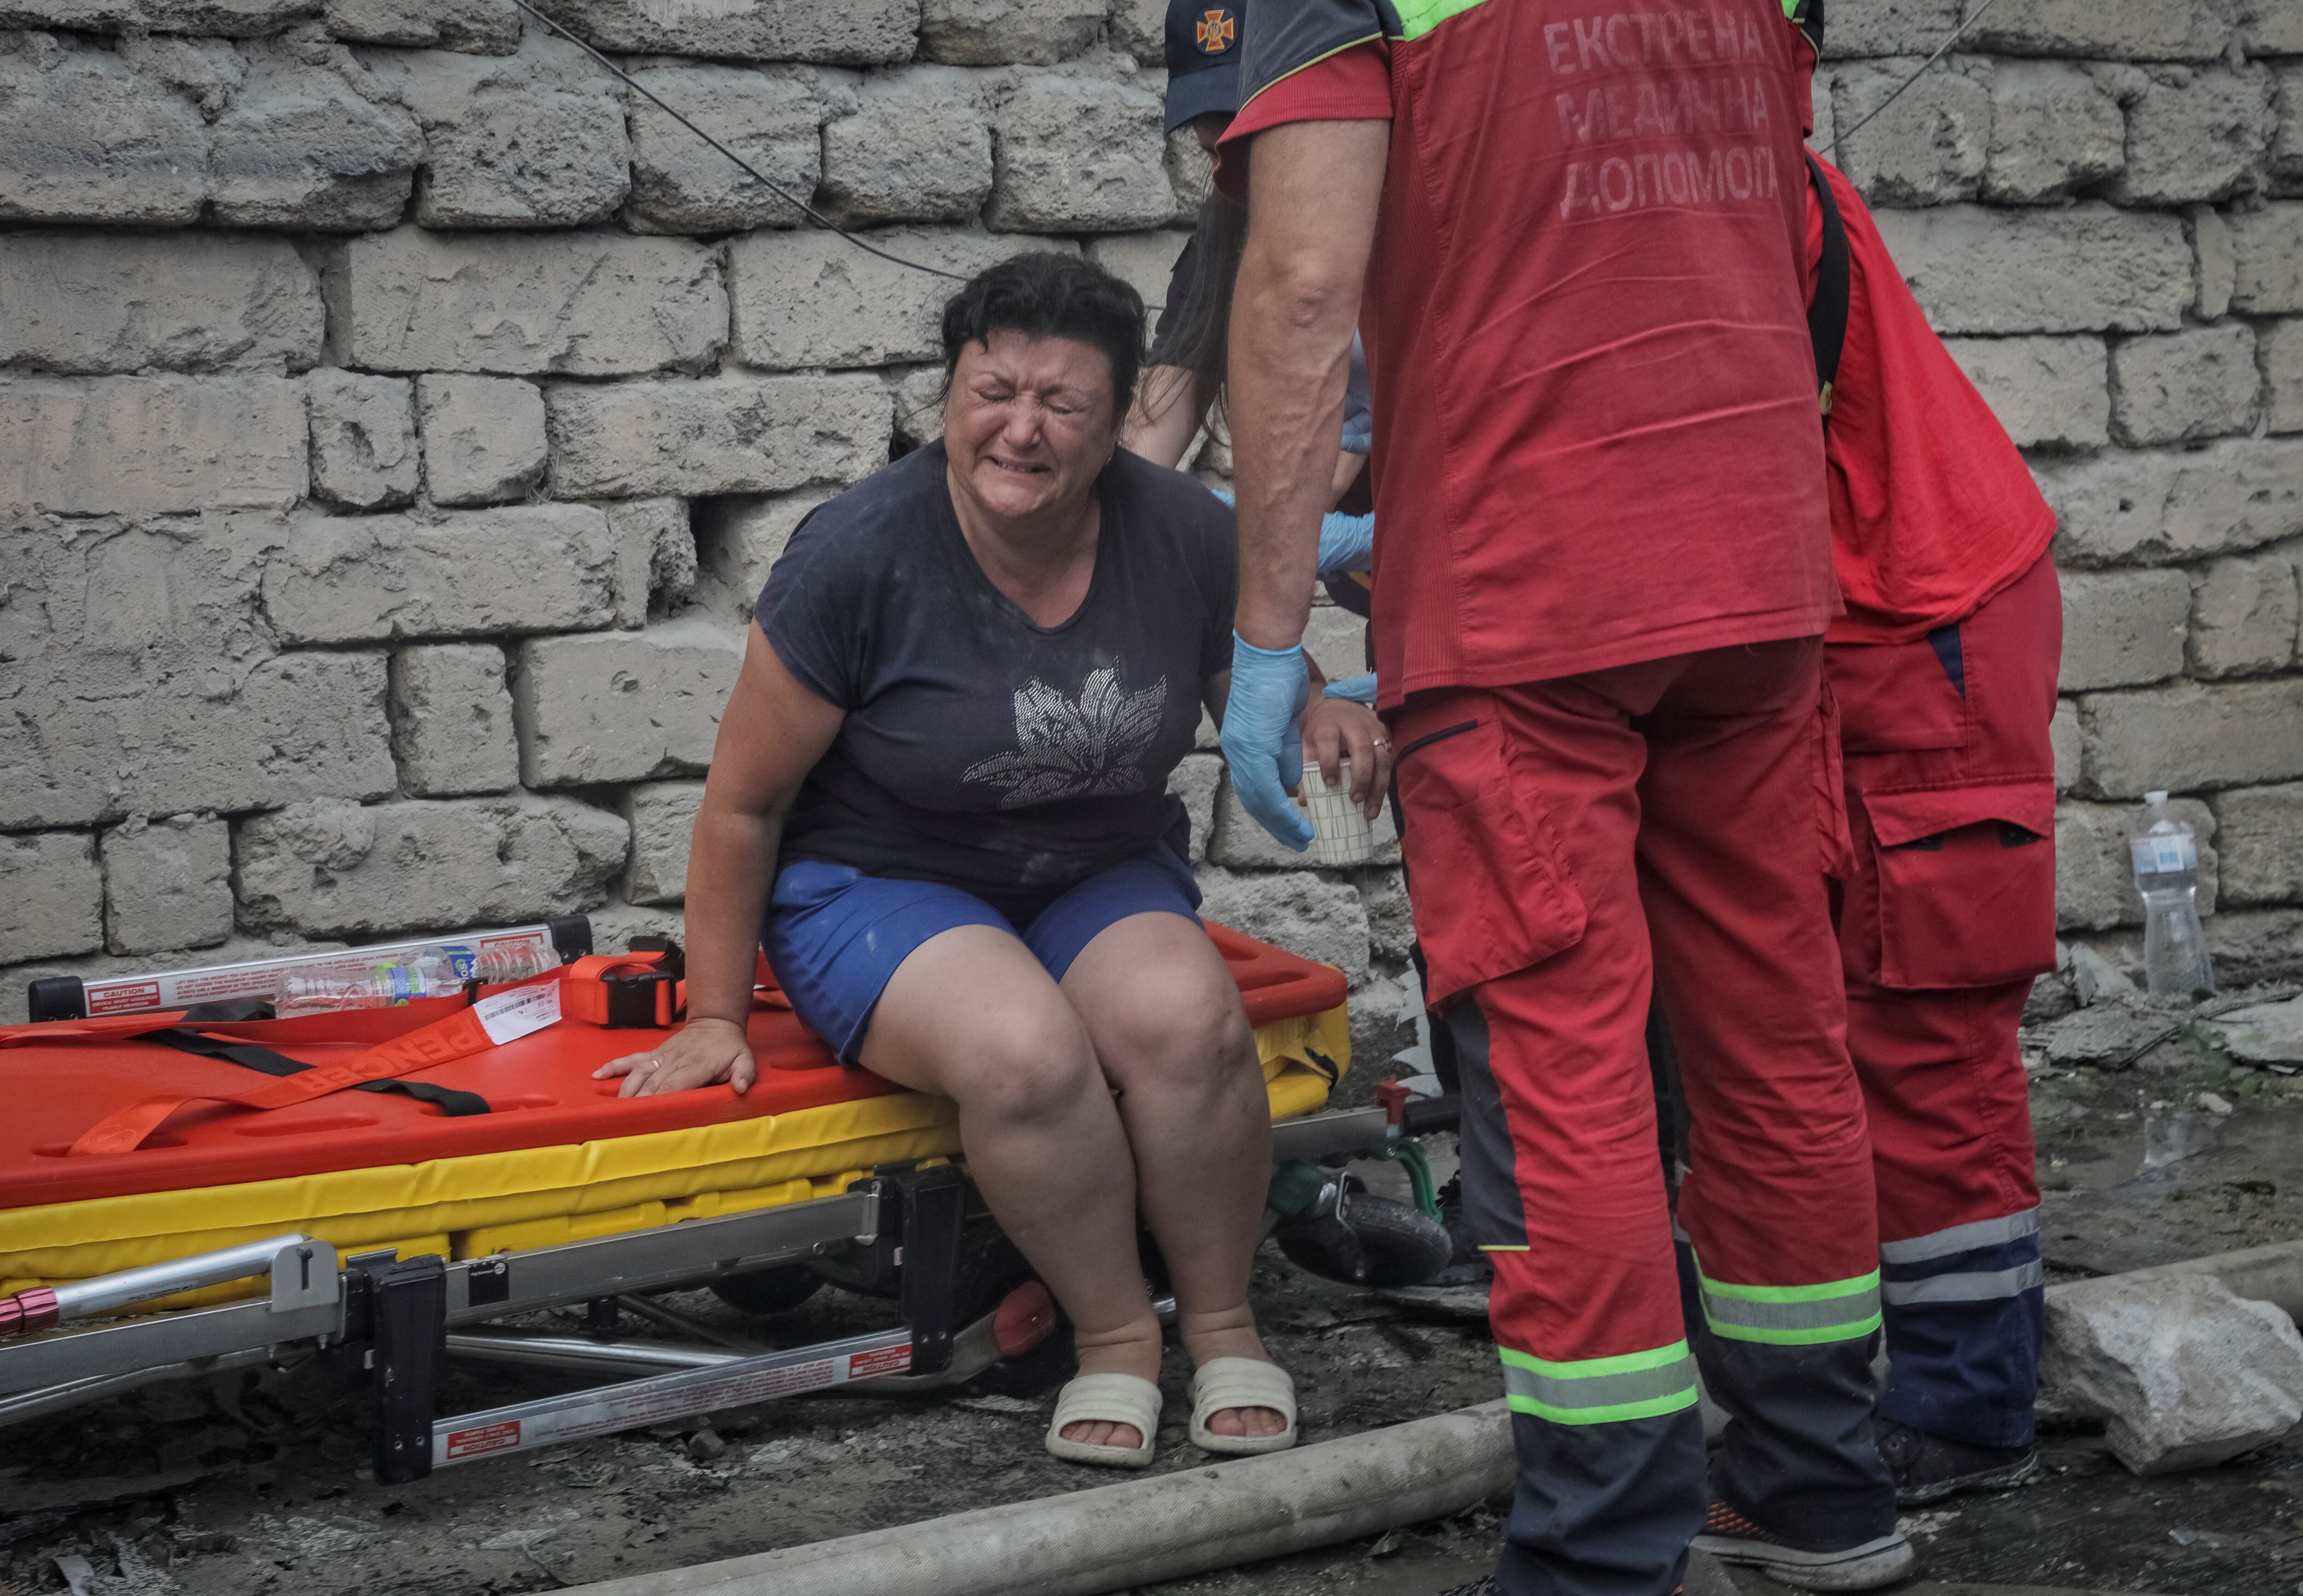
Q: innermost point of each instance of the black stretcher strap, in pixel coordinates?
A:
(1827, 313)
(248, 1055)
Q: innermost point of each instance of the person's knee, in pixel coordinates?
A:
(1177, 1024)
(1030, 1063)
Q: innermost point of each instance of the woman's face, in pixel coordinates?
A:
(1030, 422)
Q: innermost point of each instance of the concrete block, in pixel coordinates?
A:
(1190, 172)
(2047, 392)
(655, 557)
(739, 539)
(545, 568)
(2123, 628)
(167, 884)
(1197, 781)
(1309, 914)
(1239, 840)
(2210, 241)
(2260, 833)
(451, 730)
(2267, 249)
(853, 33)
(2063, 734)
(2243, 618)
(1928, 147)
(1140, 27)
(2101, 30)
(2250, 946)
(1004, 32)
(2193, 134)
(813, 299)
(484, 27)
(2183, 1373)
(2285, 162)
(919, 394)
(55, 895)
(2223, 735)
(2178, 387)
(2082, 270)
(230, 19)
(1337, 640)
(1145, 260)
(917, 146)
(207, 71)
(2055, 133)
(84, 138)
(1079, 155)
(623, 706)
(662, 815)
(301, 147)
(363, 439)
(2271, 27)
(484, 439)
(103, 302)
(771, 116)
(725, 435)
(582, 305)
(2157, 507)
(1889, 28)
(535, 139)
(333, 868)
(2281, 346)
(2095, 878)
(131, 446)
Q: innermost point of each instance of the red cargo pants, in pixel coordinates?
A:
(1554, 832)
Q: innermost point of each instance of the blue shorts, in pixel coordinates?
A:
(834, 936)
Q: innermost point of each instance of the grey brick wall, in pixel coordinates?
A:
(398, 415)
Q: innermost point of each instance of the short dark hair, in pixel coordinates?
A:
(1046, 295)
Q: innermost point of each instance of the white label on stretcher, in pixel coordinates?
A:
(509, 1016)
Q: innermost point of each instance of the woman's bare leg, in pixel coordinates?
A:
(971, 1016)
(1171, 1035)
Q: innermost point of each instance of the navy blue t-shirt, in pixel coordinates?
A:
(1009, 759)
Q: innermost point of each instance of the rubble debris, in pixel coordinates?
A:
(2095, 978)
(2109, 1035)
(2184, 1372)
(2269, 1033)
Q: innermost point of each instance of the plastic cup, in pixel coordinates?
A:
(1339, 827)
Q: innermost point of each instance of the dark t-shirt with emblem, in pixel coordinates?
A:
(1009, 759)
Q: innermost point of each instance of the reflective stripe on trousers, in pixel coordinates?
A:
(1598, 1391)
(1792, 1315)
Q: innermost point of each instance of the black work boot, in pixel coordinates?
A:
(1478, 1587)
(1733, 1537)
(1929, 1468)
(1467, 1265)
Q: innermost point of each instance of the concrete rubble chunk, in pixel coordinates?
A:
(2123, 628)
(113, 302)
(301, 147)
(2281, 347)
(2244, 616)
(1930, 145)
(2194, 135)
(725, 435)
(584, 304)
(1076, 155)
(55, 893)
(770, 116)
(1198, 780)
(2095, 978)
(2262, 833)
(2100, 30)
(2086, 269)
(546, 568)
(2184, 1372)
(150, 445)
(807, 299)
(2055, 133)
(535, 139)
(334, 869)
(655, 556)
(483, 27)
(2267, 250)
(740, 538)
(2269, 1033)
(854, 33)
(2112, 1035)
(2047, 392)
(2095, 878)
(167, 884)
(662, 818)
(2157, 507)
(451, 727)
(2180, 387)
(483, 438)
(2220, 734)
(1004, 32)
(917, 146)
(363, 440)
(85, 138)
(623, 706)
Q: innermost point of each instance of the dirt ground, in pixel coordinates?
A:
(257, 1481)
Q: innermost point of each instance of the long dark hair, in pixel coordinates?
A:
(1197, 330)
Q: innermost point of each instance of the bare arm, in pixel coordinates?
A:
(1166, 415)
(1313, 190)
(772, 734)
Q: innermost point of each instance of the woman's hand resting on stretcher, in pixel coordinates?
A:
(701, 1052)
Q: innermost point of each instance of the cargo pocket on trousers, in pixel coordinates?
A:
(1967, 883)
(1489, 892)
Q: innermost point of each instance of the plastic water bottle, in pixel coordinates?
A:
(2175, 962)
(384, 984)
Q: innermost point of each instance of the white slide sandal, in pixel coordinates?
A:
(1224, 1382)
(1110, 1400)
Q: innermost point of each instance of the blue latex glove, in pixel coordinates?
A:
(1346, 544)
(1225, 495)
(1263, 737)
(1360, 690)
